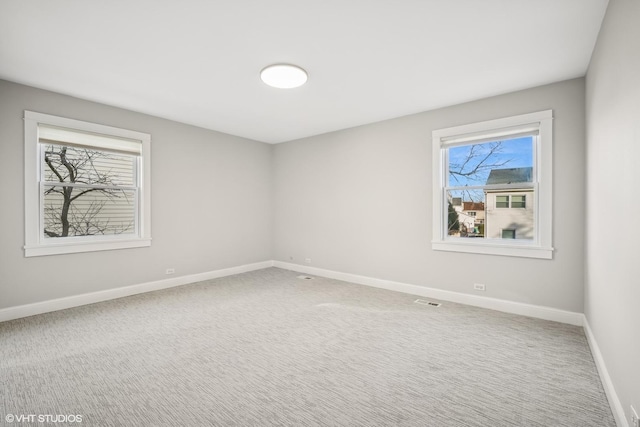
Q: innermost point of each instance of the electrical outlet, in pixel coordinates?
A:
(170, 271)
(478, 287)
(635, 421)
(307, 260)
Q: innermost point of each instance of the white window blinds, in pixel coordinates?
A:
(63, 136)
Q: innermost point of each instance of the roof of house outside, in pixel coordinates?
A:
(510, 175)
(473, 206)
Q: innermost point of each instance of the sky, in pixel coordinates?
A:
(511, 153)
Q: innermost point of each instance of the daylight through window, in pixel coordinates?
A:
(489, 177)
(90, 186)
(492, 187)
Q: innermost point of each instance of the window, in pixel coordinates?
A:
(504, 166)
(502, 201)
(511, 201)
(519, 201)
(87, 186)
(508, 234)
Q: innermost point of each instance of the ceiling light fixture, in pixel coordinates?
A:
(283, 76)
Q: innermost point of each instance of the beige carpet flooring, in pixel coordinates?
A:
(268, 349)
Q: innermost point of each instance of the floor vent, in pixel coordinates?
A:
(303, 277)
(425, 302)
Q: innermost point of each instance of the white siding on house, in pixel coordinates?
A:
(94, 213)
(104, 183)
(519, 219)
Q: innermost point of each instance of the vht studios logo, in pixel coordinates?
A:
(42, 418)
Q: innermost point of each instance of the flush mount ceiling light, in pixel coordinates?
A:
(283, 76)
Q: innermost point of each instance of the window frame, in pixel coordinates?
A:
(35, 243)
(503, 128)
(500, 202)
(522, 202)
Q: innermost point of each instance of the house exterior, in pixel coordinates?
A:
(471, 218)
(509, 212)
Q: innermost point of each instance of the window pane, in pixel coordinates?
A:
(502, 201)
(518, 201)
(70, 211)
(496, 162)
(508, 234)
(465, 219)
(87, 166)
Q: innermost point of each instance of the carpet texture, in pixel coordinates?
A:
(266, 348)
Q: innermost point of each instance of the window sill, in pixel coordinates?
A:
(484, 248)
(76, 247)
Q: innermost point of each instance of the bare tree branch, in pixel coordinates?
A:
(64, 214)
(479, 161)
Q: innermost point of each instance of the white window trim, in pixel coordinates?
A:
(541, 246)
(35, 244)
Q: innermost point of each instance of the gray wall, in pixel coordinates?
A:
(359, 201)
(356, 201)
(211, 204)
(612, 293)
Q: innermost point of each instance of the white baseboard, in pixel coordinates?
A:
(612, 396)
(93, 297)
(540, 312)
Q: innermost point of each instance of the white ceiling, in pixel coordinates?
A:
(198, 61)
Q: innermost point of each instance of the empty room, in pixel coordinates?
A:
(320, 213)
